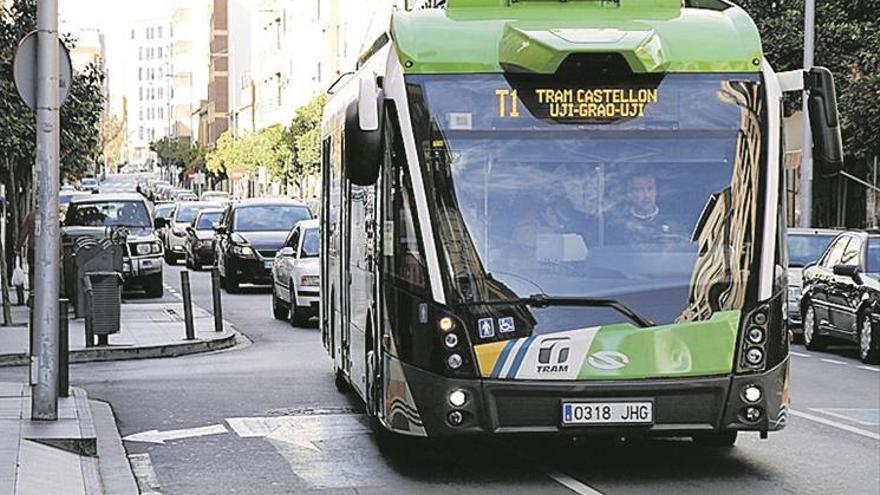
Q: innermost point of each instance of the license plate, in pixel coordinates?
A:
(268, 265)
(607, 413)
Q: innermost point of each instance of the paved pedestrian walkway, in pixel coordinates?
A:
(69, 455)
(148, 330)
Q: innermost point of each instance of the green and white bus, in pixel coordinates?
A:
(562, 217)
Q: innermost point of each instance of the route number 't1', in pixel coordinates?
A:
(503, 96)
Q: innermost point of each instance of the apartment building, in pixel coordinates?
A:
(148, 92)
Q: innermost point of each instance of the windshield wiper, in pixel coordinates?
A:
(544, 301)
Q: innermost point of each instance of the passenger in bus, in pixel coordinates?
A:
(640, 220)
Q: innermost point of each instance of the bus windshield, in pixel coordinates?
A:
(638, 188)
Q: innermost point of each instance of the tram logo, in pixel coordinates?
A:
(608, 360)
(553, 355)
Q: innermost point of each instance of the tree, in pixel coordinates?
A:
(111, 138)
(304, 136)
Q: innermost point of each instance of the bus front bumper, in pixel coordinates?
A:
(681, 406)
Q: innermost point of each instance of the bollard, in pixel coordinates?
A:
(187, 305)
(63, 350)
(218, 304)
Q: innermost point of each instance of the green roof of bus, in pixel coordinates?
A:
(536, 35)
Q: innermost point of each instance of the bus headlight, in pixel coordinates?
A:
(454, 361)
(457, 398)
(755, 335)
(752, 394)
(752, 414)
(446, 324)
(455, 418)
(450, 340)
(754, 356)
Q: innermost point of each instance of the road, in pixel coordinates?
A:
(265, 418)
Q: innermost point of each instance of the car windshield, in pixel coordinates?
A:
(208, 220)
(640, 188)
(268, 218)
(164, 211)
(109, 214)
(872, 264)
(311, 244)
(215, 195)
(88, 182)
(804, 249)
(186, 212)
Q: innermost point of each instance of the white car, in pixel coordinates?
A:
(296, 279)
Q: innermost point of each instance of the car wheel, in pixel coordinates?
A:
(341, 383)
(231, 284)
(279, 310)
(868, 337)
(812, 340)
(153, 286)
(299, 316)
(716, 439)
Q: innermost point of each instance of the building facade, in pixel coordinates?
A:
(149, 112)
(218, 73)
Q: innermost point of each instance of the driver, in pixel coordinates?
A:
(640, 220)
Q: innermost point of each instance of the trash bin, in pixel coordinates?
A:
(91, 255)
(103, 296)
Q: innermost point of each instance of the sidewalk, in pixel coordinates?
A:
(69, 456)
(148, 330)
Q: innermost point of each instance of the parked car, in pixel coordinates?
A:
(142, 265)
(215, 196)
(804, 247)
(160, 190)
(841, 297)
(89, 184)
(164, 211)
(199, 242)
(183, 195)
(251, 232)
(296, 272)
(175, 235)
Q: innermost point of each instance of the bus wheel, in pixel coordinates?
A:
(341, 383)
(716, 439)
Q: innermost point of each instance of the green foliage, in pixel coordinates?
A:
(847, 37)
(304, 136)
(80, 114)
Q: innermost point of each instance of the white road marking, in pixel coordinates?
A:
(142, 467)
(155, 436)
(832, 361)
(831, 412)
(869, 368)
(572, 484)
(800, 354)
(835, 424)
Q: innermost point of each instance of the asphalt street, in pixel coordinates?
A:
(265, 418)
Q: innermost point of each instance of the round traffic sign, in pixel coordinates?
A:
(25, 71)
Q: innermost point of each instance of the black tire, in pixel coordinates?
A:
(280, 310)
(341, 383)
(186, 262)
(813, 340)
(299, 316)
(169, 256)
(716, 439)
(153, 286)
(869, 339)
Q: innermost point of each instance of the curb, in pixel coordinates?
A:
(94, 354)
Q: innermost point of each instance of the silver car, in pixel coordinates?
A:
(805, 246)
(296, 275)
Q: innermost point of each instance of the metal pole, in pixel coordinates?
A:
(187, 306)
(44, 398)
(63, 350)
(807, 146)
(218, 302)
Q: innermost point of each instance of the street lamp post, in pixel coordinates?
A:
(806, 181)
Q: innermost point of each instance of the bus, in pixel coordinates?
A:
(563, 218)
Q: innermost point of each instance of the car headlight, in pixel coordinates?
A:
(246, 251)
(310, 280)
(143, 248)
(156, 247)
(794, 293)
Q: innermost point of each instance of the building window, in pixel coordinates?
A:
(161, 113)
(141, 94)
(159, 52)
(140, 73)
(140, 53)
(132, 34)
(140, 114)
(160, 73)
(159, 29)
(161, 93)
(141, 133)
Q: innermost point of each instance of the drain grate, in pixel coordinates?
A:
(313, 411)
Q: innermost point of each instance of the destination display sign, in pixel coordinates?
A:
(590, 104)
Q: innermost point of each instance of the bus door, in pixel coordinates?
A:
(361, 217)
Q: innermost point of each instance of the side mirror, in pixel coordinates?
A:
(219, 229)
(363, 134)
(160, 223)
(287, 252)
(824, 119)
(852, 271)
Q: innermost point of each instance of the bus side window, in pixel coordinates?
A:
(407, 263)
